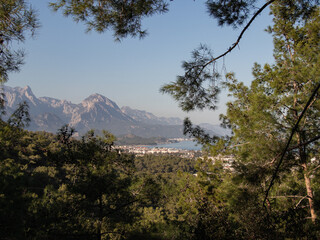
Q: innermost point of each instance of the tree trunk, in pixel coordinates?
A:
(303, 161)
(99, 236)
(309, 192)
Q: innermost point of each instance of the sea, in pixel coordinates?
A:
(184, 145)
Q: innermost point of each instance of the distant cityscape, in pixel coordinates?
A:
(142, 150)
(166, 148)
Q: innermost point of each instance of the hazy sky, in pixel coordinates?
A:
(66, 63)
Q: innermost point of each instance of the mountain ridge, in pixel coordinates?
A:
(94, 112)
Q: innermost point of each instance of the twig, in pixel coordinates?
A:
(301, 200)
(288, 196)
(304, 143)
(314, 169)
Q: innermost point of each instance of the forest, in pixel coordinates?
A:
(54, 186)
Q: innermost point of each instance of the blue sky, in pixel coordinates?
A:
(64, 62)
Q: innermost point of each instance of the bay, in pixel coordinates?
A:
(184, 145)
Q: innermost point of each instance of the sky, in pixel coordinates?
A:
(64, 62)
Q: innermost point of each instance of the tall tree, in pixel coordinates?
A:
(263, 115)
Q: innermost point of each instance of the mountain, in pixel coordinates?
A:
(95, 112)
(215, 129)
(149, 118)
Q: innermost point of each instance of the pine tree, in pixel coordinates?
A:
(263, 115)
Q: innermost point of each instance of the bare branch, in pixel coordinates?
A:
(314, 169)
(305, 143)
(288, 196)
(301, 200)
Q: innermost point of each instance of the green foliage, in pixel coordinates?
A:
(122, 17)
(189, 90)
(262, 117)
(160, 164)
(17, 18)
(229, 12)
(54, 187)
(198, 133)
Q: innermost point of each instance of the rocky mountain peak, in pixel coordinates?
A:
(13, 96)
(98, 99)
(27, 90)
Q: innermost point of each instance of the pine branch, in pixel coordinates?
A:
(241, 34)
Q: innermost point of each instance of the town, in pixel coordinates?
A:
(142, 150)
